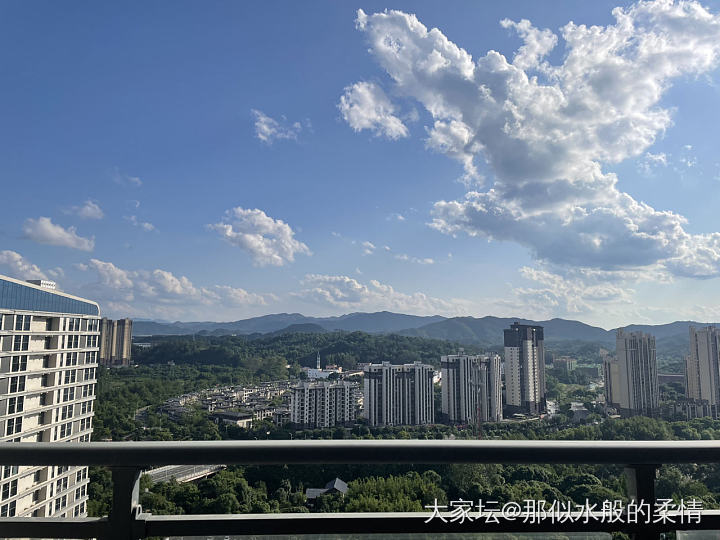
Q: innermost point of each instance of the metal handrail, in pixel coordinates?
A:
(128, 459)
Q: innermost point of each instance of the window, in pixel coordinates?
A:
(71, 359)
(48, 343)
(91, 358)
(9, 489)
(22, 322)
(20, 343)
(61, 485)
(68, 394)
(46, 361)
(66, 430)
(16, 404)
(14, 425)
(49, 324)
(19, 363)
(92, 341)
(60, 503)
(9, 470)
(17, 384)
(43, 399)
(62, 469)
(85, 424)
(86, 407)
(7, 510)
(66, 412)
(70, 376)
(81, 475)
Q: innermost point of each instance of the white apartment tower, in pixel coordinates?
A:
(613, 382)
(397, 395)
(524, 369)
(638, 383)
(702, 372)
(471, 388)
(324, 404)
(48, 359)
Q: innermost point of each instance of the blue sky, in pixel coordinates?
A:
(221, 160)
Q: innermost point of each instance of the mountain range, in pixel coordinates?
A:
(470, 330)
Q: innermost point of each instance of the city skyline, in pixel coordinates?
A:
(236, 161)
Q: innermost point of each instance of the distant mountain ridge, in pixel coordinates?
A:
(372, 323)
(484, 331)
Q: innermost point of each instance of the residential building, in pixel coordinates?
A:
(524, 369)
(611, 377)
(637, 368)
(702, 372)
(48, 361)
(397, 395)
(115, 342)
(471, 388)
(565, 363)
(324, 404)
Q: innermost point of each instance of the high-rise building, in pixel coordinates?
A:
(48, 359)
(638, 384)
(524, 369)
(471, 388)
(115, 342)
(397, 395)
(613, 382)
(324, 404)
(702, 372)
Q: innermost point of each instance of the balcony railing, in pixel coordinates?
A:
(127, 460)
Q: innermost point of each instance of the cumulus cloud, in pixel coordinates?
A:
(160, 292)
(269, 241)
(546, 131)
(348, 293)
(19, 267)
(89, 210)
(43, 231)
(416, 260)
(268, 129)
(364, 105)
(144, 225)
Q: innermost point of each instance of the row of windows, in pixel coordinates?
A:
(8, 489)
(8, 510)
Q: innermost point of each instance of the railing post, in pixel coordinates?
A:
(122, 521)
(640, 481)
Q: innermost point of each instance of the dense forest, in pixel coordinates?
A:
(268, 355)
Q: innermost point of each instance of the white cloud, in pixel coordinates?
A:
(268, 129)
(126, 179)
(19, 267)
(416, 260)
(89, 210)
(44, 231)
(159, 292)
(144, 225)
(269, 241)
(368, 248)
(547, 136)
(396, 217)
(348, 293)
(365, 106)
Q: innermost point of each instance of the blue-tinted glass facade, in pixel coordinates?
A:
(15, 296)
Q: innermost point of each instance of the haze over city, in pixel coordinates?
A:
(506, 160)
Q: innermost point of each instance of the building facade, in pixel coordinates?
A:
(637, 391)
(702, 372)
(612, 380)
(324, 404)
(524, 369)
(471, 388)
(115, 342)
(48, 361)
(398, 395)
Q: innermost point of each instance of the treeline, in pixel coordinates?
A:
(268, 356)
